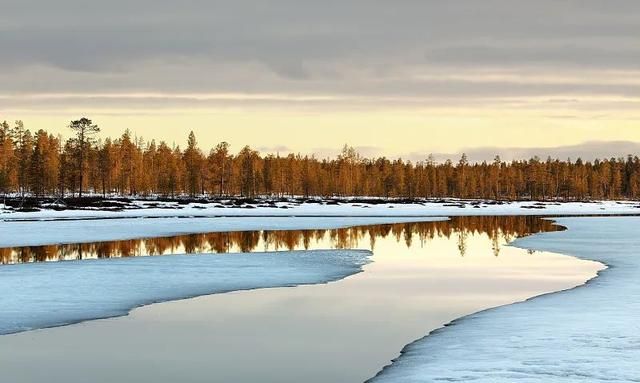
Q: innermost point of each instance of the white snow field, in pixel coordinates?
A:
(45, 295)
(39, 233)
(452, 207)
(587, 334)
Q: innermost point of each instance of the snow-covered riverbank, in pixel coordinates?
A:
(588, 334)
(137, 209)
(45, 295)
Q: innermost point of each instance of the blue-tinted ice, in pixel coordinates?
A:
(52, 294)
(588, 334)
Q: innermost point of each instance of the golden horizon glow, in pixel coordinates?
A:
(390, 132)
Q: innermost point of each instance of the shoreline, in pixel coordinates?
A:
(490, 345)
(312, 267)
(317, 208)
(59, 232)
(361, 334)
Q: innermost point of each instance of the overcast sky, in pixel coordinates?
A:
(231, 70)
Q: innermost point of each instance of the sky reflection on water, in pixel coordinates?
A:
(422, 276)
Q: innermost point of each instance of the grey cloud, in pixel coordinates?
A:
(363, 150)
(624, 56)
(587, 151)
(274, 149)
(358, 47)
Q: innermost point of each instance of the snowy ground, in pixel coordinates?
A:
(328, 208)
(55, 294)
(588, 334)
(38, 233)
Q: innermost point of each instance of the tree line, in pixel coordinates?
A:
(42, 164)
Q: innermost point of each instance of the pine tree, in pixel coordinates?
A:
(193, 165)
(84, 130)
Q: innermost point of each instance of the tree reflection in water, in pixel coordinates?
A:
(499, 229)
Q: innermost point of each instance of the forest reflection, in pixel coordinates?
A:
(500, 230)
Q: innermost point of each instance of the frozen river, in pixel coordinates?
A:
(588, 334)
(418, 277)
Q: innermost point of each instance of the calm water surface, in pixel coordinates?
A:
(499, 229)
(423, 275)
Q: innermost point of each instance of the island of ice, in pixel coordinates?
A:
(587, 334)
(44, 295)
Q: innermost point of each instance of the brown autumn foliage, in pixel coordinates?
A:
(41, 164)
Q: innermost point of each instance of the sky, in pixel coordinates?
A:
(396, 78)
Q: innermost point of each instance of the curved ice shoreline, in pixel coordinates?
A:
(55, 294)
(62, 293)
(21, 233)
(587, 334)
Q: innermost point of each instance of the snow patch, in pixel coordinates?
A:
(46, 295)
(452, 207)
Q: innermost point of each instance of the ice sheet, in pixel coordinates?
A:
(588, 334)
(45, 295)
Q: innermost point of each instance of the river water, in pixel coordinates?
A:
(422, 276)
